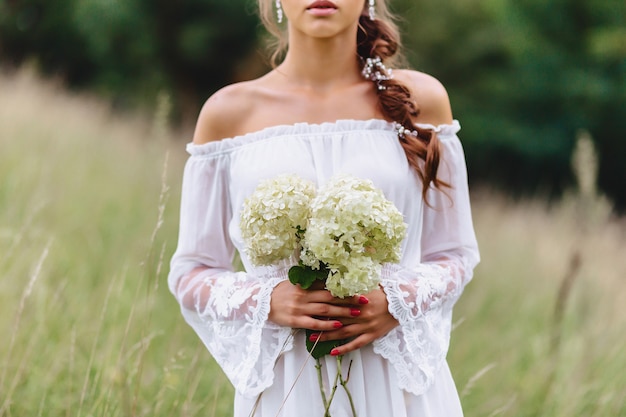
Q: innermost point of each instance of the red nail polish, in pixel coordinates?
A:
(334, 352)
(363, 299)
(337, 325)
(355, 312)
(314, 337)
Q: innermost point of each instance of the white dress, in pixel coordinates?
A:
(404, 373)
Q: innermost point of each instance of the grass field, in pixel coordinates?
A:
(88, 219)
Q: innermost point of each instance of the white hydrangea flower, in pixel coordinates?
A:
(359, 276)
(353, 229)
(272, 216)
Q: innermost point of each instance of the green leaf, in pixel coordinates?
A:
(305, 275)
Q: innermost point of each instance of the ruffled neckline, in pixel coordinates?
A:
(304, 128)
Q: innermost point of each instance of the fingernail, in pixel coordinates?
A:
(363, 299)
(337, 325)
(314, 337)
(355, 312)
(334, 352)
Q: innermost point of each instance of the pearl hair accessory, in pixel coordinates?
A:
(279, 11)
(403, 131)
(374, 70)
(372, 9)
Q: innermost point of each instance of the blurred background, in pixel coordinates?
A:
(523, 76)
(99, 97)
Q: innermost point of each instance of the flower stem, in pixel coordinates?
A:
(344, 383)
(334, 390)
(318, 366)
(339, 380)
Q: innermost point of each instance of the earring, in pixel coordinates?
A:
(372, 9)
(279, 11)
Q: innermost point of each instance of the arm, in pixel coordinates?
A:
(228, 310)
(244, 319)
(449, 247)
(442, 273)
(421, 298)
(410, 323)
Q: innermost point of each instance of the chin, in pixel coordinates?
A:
(324, 30)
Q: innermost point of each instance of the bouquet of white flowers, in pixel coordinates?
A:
(353, 229)
(342, 234)
(274, 217)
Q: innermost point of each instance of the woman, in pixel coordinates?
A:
(331, 106)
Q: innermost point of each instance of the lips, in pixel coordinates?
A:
(322, 4)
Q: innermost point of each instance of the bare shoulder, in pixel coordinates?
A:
(223, 112)
(431, 96)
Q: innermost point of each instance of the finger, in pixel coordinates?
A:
(355, 344)
(324, 296)
(312, 323)
(361, 299)
(330, 311)
(321, 296)
(356, 301)
(344, 332)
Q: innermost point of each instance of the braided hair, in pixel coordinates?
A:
(378, 39)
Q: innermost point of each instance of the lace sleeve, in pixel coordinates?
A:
(421, 297)
(227, 309)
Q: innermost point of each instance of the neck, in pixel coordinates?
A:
(321, 63)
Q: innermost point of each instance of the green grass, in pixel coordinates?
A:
(88, 222)
(87, 225)
(509, 312)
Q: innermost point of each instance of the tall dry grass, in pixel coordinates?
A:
(88, 218)
(88, 207)
(548, 302)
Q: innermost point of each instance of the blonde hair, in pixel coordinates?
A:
(278, 43)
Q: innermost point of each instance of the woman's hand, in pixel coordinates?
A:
(362, 319)
(373, 321)
(313, 309)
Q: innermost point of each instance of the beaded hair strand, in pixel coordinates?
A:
(377, 42)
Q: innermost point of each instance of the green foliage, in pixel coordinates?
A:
(87, 226)
(523, 75)
(305, 276)
(42, 30)
(132, 49)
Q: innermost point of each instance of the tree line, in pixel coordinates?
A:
(524, 76)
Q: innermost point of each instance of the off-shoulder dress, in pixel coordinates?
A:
(403, 373)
